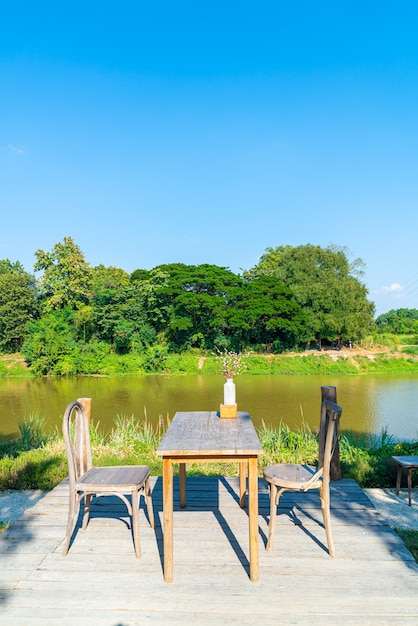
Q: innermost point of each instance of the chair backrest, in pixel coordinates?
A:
(77, 440)
(330, 418)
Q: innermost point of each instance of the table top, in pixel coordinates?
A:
(200, 433)
(406, 461)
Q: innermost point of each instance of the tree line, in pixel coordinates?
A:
(295, 297)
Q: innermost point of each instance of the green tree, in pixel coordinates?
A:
(49, 341)
(119, 311)
(265, 314)
(67, 277)
(18, 304)
(398, 321)
(188, 303)
(326, 285)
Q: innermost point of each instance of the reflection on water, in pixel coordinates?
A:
(370, 404)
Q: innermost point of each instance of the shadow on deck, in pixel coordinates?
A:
(372, 580)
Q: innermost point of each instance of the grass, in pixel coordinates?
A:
(410, 539)
(36, 460)
(32, 432)
(98, 360)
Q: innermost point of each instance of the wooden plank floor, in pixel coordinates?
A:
(373, 580)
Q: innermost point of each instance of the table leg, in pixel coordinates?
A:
(409, 485)
(253, 516)
(168, 518)
(398, 478)
(182, 469)
(242, 483)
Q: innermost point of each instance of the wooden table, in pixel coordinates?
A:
(410, 463)
(202, 436)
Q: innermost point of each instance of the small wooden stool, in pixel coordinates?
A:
(409, 463)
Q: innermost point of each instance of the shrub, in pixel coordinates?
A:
(32, 432)
(181, 363)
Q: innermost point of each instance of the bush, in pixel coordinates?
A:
(32, 432)
(38, 461)
(410, 350)
(181, 364)
(312, 364)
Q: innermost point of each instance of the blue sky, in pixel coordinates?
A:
(206, 132)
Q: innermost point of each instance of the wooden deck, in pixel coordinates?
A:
(372, 580)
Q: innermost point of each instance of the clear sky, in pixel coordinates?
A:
(205, 132)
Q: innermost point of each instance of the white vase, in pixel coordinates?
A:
(229, 392)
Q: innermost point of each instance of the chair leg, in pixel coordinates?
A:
(273, 512)
(74, 506)
(86, 515)
(326, 514)
(135, 523)
(148, 499)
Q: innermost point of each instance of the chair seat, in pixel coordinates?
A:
(291, 476)
(122, 478)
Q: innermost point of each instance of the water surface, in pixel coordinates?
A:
(370, 403)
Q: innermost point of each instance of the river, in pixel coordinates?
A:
(370, 403)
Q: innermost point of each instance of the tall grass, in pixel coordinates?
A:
(38, 460)
(282, 445)
(410, 539)
(32, 432)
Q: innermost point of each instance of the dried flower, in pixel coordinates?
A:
(232, 363)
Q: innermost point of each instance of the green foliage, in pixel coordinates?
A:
(264, 313)
(259, 365)
(312, 364)
(410, 539)
(32, 432)
(154, 359)
(209, 365)
(38, 461)
(81, 320)
(12, 367)
(368, 459)
(411, 340)
(356, 460)
(97, 437)
(387, 340)
(18, 305)
(282, 445)
(325, 285)
(33, 469)
(130, 434)
(67, 277)
(410, 350)
(382, 364)
(119, 311)
(10, 267)
(398, 321)
(192, 303)
(181, 364)
(50, 340)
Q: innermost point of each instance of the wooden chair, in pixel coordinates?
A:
(86, 481)
(285, 477)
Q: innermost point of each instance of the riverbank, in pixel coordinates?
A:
(349, 361)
